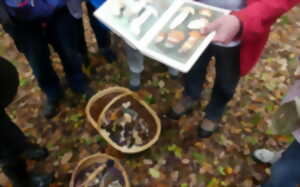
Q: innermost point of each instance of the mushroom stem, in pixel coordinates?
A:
(136, 24)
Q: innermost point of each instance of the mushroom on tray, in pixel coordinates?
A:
(194, 37)
(138, 22)
(182, 16)
(174, 38)
(205, 12)
(198, 23)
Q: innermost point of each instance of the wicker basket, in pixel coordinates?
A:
(101, 159)
(103, 100)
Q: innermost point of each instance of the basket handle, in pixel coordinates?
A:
(93, 175)
(98, 96)
(101, 116)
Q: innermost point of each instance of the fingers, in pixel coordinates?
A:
(226, 28)
(211, 27)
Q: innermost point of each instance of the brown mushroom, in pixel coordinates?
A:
(174, 38)
(194, 36)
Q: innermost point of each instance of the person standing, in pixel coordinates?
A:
(33, 24)
(15, 148)
(102, 33)
(239, 41)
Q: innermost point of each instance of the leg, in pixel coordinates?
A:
(135, 62)
(193, 82)
(13, 141)
(65, 35)
(30, 40)
(286, 171)
(102, 34)
(227, 78)
(194, 79)
(173, 72)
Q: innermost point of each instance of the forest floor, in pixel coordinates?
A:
(178, 158)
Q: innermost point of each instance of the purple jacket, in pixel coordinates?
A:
(74, 7)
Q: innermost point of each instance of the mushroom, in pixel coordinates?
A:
(127, 118)
(174, 38)
(137, 139)
(126, 104)
(117, 8)
(138, 6)
(160, 38)
(184, 13)
(136, 24)
(115, 184)
(194, 36)
(205, 12)
(198, 23)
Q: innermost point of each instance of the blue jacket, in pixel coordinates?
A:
(96, 3)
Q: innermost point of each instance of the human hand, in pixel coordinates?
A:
(226, 27)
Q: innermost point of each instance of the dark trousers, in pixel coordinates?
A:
(102, 33)
(64, 33)
(13, 141)
(286, 171)
(226, 80)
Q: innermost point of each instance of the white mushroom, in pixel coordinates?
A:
(117, 7)
(198, 23)
(136, 24)
(185, 12)
(127, 118)
(115, 184)
(138, 6)
(137, 139)
(126, 105)
(205, 12)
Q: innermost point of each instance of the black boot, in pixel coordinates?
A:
(34, 152)
(88, 93)
(50, 109)
(108, 54)
(16, 171)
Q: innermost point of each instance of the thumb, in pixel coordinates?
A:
(211, 27)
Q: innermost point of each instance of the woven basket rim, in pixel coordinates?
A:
(123, 92)
(94, 157)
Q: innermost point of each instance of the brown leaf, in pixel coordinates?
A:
(66, 158)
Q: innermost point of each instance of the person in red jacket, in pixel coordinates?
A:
(250, 26)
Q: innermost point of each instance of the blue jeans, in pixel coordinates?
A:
(64, 33)
(226, 80)
(286, 171)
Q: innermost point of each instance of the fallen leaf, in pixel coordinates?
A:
(154, 173)
(66, 158)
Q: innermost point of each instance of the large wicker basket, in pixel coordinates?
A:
(101, 159)
(103, 100)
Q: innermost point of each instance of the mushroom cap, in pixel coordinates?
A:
(176, 36)
(160, 37)
(188, 9)
(195, 34)
(205, 12)
(198, 23)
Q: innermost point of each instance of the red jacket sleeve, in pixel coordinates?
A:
(257, 19)
(259, 15)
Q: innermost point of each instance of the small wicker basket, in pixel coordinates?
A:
(92, 160)
(104, 100)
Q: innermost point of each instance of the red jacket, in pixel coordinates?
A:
(257, 19)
